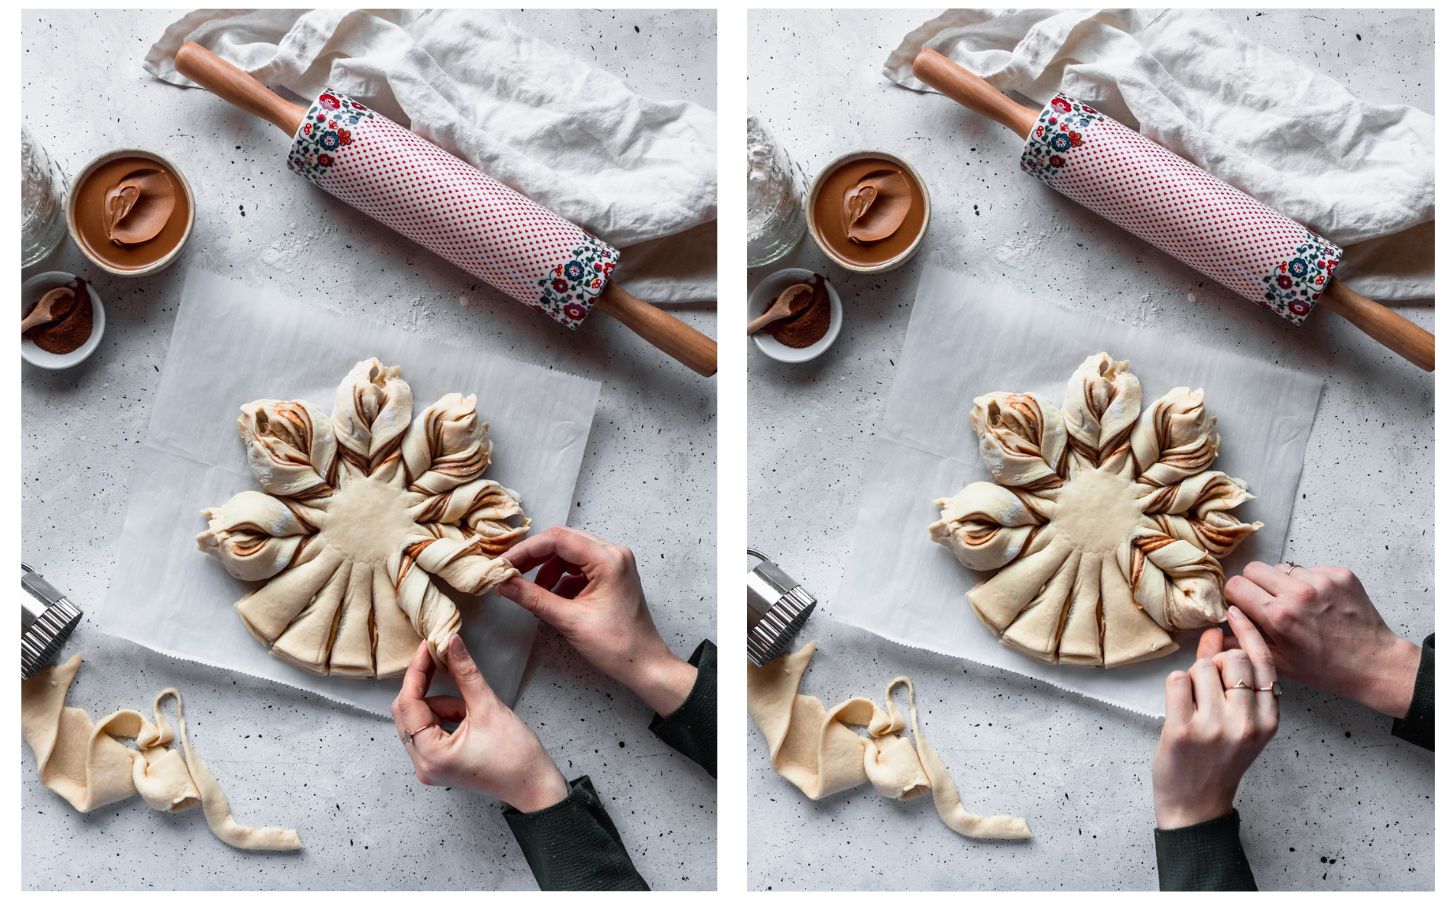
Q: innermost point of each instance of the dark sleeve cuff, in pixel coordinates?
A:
(692, 729)
(1203, 857)
(1419, 724)
(573, 846)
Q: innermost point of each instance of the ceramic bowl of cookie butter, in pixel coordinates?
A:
(130, 212)
(61, 320)
(815, 319)
(868, 211)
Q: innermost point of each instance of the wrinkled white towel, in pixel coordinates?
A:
(1361, 175)
(633, 170)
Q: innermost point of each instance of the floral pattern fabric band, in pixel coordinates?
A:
(445, 205)
(1177, 207)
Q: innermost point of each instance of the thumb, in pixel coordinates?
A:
(536, 600)
(473, 688)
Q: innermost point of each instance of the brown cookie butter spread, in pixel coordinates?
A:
(131, 211)
(868, 210)
(70, 321)
(808, 319)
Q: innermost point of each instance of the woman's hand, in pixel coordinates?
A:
(491, 751)
(1324, 632)
(588, 590)
(1213, 730)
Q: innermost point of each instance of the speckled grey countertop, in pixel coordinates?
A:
(1335, 801)
(285, 756)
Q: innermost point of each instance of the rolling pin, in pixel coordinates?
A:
(451, 208)
(1177, 207)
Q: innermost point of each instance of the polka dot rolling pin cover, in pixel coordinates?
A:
(1179, 208)
(446, 205)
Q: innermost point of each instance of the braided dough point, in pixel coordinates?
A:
(1105, 527)
(361, 511)
(819, 752)
(88, 765)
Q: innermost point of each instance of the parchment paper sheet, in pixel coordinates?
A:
(234, 343)
(972, 335)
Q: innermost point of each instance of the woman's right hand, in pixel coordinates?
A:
(589, 591)
(1324, 632)
(1213, 730)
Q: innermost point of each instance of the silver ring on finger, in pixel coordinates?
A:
(1239, 685)
(1289, 567)
(1271, 688)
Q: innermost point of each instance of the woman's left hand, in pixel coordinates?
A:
(492, 750)
(1220, 715)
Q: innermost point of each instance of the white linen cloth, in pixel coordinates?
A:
(1361, 175)
(635, 171)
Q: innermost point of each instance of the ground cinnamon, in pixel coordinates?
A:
(71, 328)
(808, 319)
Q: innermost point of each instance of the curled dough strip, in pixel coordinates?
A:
(1174, 439)
(1176, 582)
(1198, 496)
(1219, 533)
(446, 446)
(1197, 510)
(253, 535)
(90, 767)
(986, 526)
(372, 410)
(463, 567)
(820, 753)
(1022, 439)
(1101, 409)
(484, 507)
(432, 615)
(461, 563)
(291, 447)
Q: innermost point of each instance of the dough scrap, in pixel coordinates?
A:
(1104, 528)
(88, 765)
(360, 512)
(819, 752)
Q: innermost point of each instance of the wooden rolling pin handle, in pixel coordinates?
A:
(661, 329)
(971, 90)
(1382, 323)
(218, 76)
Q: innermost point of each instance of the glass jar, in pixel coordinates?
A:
(775, 198)
(42, 201)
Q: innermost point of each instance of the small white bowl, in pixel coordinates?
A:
(32, 290)
(770, 288)
(94, 259)
(893, 262)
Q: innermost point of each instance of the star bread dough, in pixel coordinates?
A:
(89, 766)
(819, 752)
(360, 513)
(1104, 527)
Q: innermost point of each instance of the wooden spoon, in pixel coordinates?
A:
(56, 303)
(782, 307)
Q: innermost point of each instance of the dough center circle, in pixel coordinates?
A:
(367, 520)
(1096, 510)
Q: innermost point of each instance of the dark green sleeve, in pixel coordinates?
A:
(1419, 724)
(692, 729)
(1203, 857)
(573, 846)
